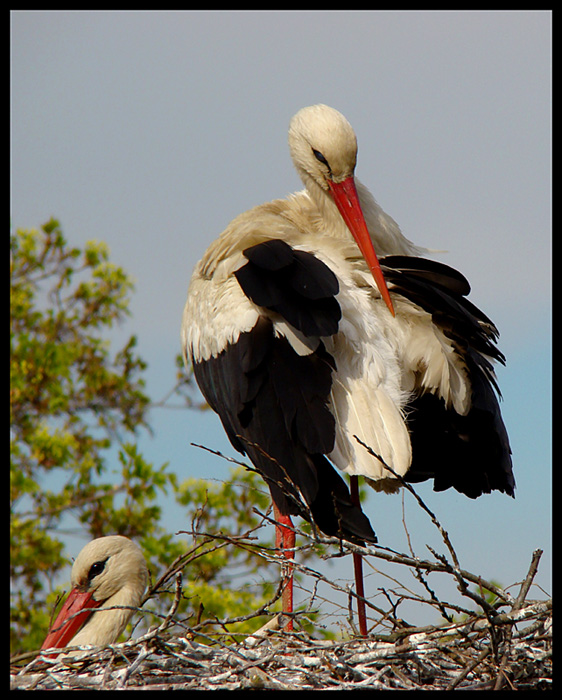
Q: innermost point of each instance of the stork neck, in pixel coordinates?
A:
(105, 626)
(331, 219)
(386, 235)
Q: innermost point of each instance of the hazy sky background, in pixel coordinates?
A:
(152, 130)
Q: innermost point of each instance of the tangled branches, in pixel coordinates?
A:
(473, 654)
(494, 640)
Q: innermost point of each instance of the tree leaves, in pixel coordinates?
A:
(77, 406)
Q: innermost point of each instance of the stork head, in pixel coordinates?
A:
(109, 570)
(323, 147)
(108, 564)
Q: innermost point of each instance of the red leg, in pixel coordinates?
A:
(358, 566)
(285, 540)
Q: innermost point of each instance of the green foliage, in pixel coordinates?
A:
(221, 580)
(76, 411)
(70, 400)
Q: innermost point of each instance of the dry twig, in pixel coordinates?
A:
(508, 642)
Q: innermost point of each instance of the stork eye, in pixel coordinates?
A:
(320, 157)
(96, 569)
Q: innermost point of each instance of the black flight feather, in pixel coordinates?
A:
(273, 405)
(470, 453)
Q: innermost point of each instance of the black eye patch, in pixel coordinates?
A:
(320, 157)
(96, 569)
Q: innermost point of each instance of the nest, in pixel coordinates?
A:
(489, 650)
(472, 656)
(506, 643)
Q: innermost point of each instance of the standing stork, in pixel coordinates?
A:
(302, 341)
(109, 571)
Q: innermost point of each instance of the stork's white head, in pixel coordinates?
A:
(109, 571)
(107, 564)
(323, 145)
(324, 151)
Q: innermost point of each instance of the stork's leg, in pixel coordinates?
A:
(285, 541)
(358, 566)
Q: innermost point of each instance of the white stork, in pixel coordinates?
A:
(109, 571)
(301, 341)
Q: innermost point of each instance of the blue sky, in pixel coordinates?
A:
(152, 130)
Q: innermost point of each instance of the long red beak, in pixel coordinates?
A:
(347, 201)
(77, 604)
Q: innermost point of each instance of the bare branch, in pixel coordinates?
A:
(482, 649)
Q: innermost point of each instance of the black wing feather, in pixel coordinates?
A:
(470, 453)
(430, 271)
(294, 284)
(285, 427)
(273, 402)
